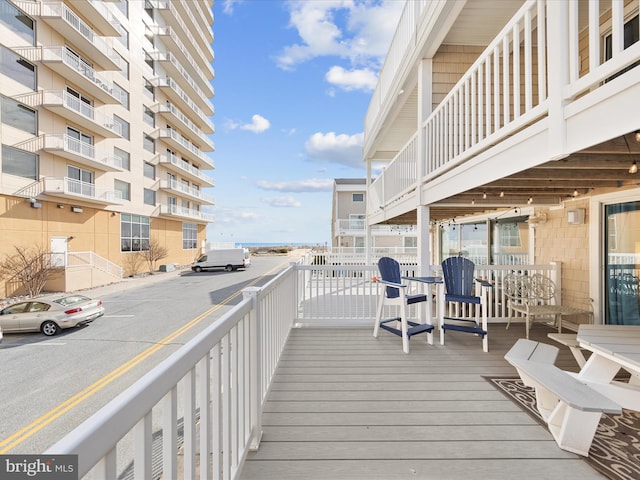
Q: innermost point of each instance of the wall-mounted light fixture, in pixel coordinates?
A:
(60, 205)
(637, 136)
(70, 238)
(34, 203)
(633, 168)
(76, 209)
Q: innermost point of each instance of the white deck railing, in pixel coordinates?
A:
(92, 259)
(216, 384)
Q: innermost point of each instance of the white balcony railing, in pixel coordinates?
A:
(66, 100)
(168, 107)
(76, 188)
(170, 33)
(216, 384)
(86, 151)
(483, 109)
(178, 162)
(184, 212)
(184, 142)
(189, 190)
(167, 82)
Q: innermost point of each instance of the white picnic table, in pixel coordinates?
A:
(612, 347)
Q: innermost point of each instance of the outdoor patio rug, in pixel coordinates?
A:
(615, 451)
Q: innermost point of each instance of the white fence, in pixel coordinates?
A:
(208, 395)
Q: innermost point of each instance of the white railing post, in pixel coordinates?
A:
(255, 396)
(558, 72)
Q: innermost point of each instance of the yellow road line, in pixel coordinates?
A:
(24, 433)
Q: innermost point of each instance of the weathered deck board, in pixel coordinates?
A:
(344, 405)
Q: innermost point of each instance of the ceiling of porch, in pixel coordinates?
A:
(603, 167)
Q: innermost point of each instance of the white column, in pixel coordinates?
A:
(424, 254)
(425, 99)
(558, 73)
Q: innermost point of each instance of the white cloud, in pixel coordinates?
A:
(282, 201)
(227, 6)
(331, 148)
(258, 124)
(309, 185)
(358, 30)
(356, 79)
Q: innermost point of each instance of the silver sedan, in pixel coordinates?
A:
(50, 315)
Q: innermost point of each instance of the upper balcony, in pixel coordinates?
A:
(100, 16)
(182, 144)
(184, 213)
(72, 108)
(72, 68)
(194, 18)
(476, 115)
(188, 191)
(175, 70)
(75, 30)
(75, 150)
(202, 72)
(185, 169)
(347, 226)
(178, 96)
(173, 18)
(171, 113)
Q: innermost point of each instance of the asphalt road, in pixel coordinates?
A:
(49, 385)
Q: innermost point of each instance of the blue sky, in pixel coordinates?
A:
(293, 80)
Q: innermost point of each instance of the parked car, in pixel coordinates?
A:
(50, 315)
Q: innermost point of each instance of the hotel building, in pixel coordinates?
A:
(105, 130)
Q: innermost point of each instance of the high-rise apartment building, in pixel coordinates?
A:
(105, 131)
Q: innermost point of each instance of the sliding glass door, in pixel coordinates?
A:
(622, 263)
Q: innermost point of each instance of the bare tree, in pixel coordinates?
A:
(154, 253)
(133, 261)
(28, 266)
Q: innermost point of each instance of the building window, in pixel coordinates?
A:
(149, 170)
(149, 117)
(124, 188)
(149, 61)
(124, 157)
(123, 64)
(124, 37)
(149, 143)
(19, 163)
(16, 22)
(19, 116)
(123, 6)
(149, 197)
(189, 236)
(134, 233)
(80, 181)
(124, 126)
(17, 68)
(148, 88)
(357, 197)
(121, 94)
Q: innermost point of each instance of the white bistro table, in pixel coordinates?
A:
(612, 347)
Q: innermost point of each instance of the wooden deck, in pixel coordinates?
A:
(344, 405)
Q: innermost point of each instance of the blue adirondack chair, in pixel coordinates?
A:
(395, 293)
(459, 285)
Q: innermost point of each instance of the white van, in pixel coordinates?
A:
(227, 258)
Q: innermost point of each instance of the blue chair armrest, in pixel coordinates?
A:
(484, 283)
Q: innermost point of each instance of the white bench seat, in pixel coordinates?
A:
(571, 408)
